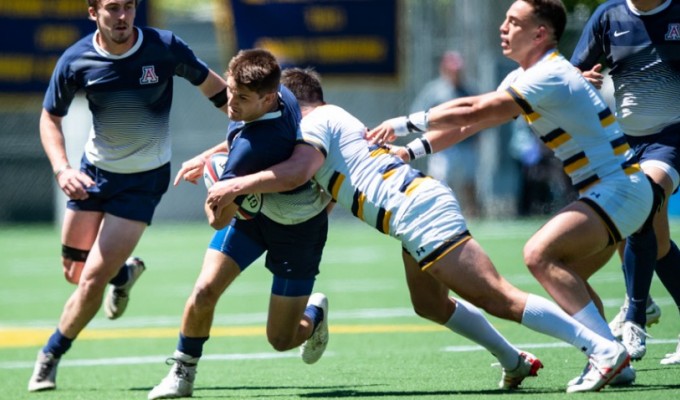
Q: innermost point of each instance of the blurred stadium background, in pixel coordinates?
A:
(374, 56)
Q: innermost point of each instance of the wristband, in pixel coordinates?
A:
(419, 148)
(220, 98)
(60, 170)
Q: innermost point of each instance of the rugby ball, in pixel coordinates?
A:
(249, 205)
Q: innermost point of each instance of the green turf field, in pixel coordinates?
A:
(378, 348)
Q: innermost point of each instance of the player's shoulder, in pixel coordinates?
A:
(79, 48)
(158, 35)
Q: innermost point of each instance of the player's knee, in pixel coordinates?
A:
(204, 297)
(73, 261)
(435, 311)
(280, 342)
(534, 259)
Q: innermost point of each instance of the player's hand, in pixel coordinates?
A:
(384, 133)
(74, 184)
(191, 171)
(222, 193)
(594, 76)
(400, 152)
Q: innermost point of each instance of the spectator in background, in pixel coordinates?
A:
(454, 166)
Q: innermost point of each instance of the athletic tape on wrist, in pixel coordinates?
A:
(419, 148)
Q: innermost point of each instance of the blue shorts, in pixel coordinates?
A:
(293, 251)
(130, 196)
(660, 150)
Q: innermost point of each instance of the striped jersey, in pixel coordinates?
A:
(643, 51)
(365, 180)
(570, 116)
(129, 95)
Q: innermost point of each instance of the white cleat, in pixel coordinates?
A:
(601, 371)
(180, 380)
(672, 358)
(118, 296)
(635, 340)
(527, 365)
(312, 349)
(652, 312)
(44, 373)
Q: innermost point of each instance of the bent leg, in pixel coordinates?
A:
(79, 231)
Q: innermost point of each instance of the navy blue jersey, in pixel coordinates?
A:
(269, 140)
(129, 96)
(643, 51)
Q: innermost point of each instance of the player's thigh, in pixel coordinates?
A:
(575, 233)
(285, 315)
(80, 228)
(218, 271)
(430, 297)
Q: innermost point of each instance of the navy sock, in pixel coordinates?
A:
(58, 344)
(121, 277)
(192, 346)
(668, 270)
(639, 261)
(315, 314)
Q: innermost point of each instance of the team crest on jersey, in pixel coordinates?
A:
(673, 32)
(148, 75)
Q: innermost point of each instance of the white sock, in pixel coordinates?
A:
(544, 316)
(469, 322)
(590, 317)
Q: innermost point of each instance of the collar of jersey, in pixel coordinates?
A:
(104, 53)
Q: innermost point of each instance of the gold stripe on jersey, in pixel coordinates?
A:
(414, 184)
(445, 248)
(578, 160)
(382, 222)
(620, 145)
(606, 117)
(378, 151)
(529, 114)
(555, 138)
(358, 204)
(335, 183)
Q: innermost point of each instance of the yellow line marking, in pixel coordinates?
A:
(30, 337)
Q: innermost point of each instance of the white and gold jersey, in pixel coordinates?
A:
(570, 116)
(381, 189)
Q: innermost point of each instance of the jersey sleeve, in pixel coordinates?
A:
(61, 89)
(538, 88)
(188, 65)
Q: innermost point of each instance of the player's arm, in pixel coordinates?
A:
(192, 169)
(220, 218)
(215, 89)
(447, 124)
(71, 181)
(282, 177)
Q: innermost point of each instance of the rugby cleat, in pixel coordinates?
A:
(313, 348)
(625, 378)
(527, 365)
(601, 371)
(635, 340)
(180, 380)
(652, 312)
(672, 358)
(44, 373)
(118, 297)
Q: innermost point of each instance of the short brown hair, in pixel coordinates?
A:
(93, 3)
(305, 84)
(256, 69)
(552, 13)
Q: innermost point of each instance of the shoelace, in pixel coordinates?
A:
(45, 368)
(180, 367)
(637, 334)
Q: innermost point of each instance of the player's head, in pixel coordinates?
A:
(530, 28)
(115, 21)
(305, 84)
(253, 79)
(550, 13)
(256, 69)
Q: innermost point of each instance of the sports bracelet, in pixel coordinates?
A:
(60, 170)
(419, 148)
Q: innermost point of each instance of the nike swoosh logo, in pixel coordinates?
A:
(91, 82)
(617, 33)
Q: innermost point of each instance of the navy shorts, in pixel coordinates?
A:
(293, 251)
(130, 196)
(662, 146)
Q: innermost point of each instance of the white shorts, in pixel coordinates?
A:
(430, 222)
(626, 199)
